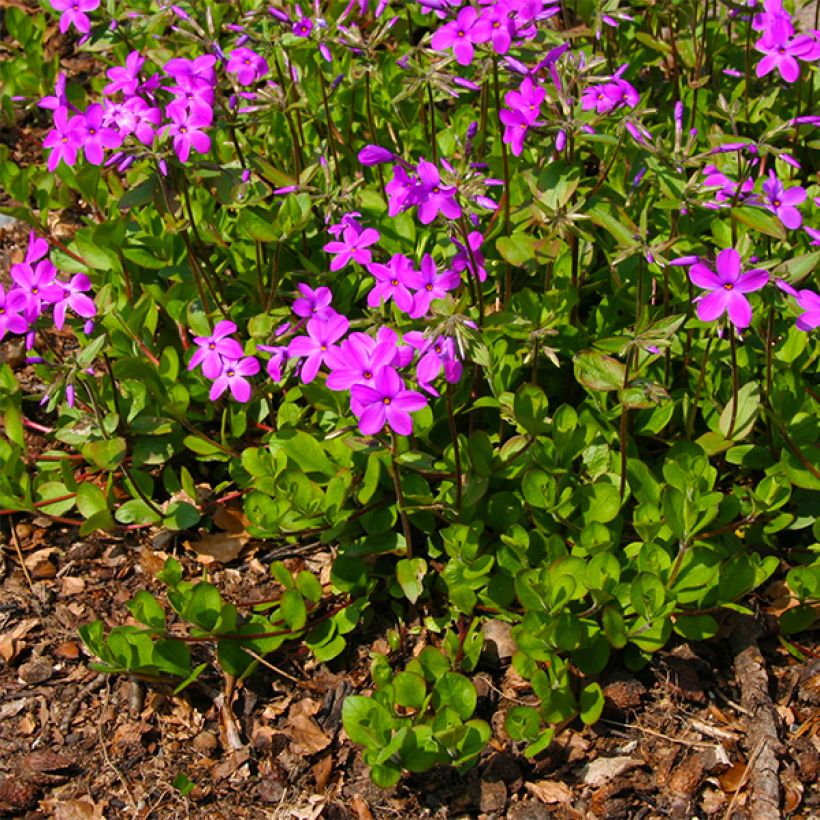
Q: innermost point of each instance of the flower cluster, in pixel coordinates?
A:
(38, 288)
(780, 48)
(74, 14)
(500, 23)
(223, 361)
(135, 107)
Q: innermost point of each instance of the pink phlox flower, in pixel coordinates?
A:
(527, 99)
(464, 258)
(494, 26)
(353, 245)
(302, 27)
(437, 356)
(74, 14)
(36, 284)
(385, 400)
(356, 360)
(726, 289)
(429, 285)
(313, 303)
(375, 155)
(457, 34)
(12, 304)
(322, 334)
(391, 283)
(233, 377)
(431, 196)
(64, 139)
(194, 73)
(37, 248)
(779, 54)
(781, 201)
(400, 190)
(74, 297)
(277, 361)
(125, 78)
(247, 65)
(95, 136)
(774, 20)
(516, 124)
(186, 129)
(59, 98)
(145, 119)
(348, 220)
(808, 301)
(213, 349)
(814, 235)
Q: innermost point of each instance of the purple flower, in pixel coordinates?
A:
(313, 303)
(726, 289)
(516, 124)
(435, 355)
(391, 283)
(59, 99)
(353, 245)
(73, 14)
(429, 285)
(457, 34)
(322, 335)
(37, 286)
(495, 26)
(357, 359)
(145, 119)
(303, 27)
(247, 65)
(125, 78)
(95, 136)
(400, 190)
(527, 99)
(277, 360)
(74, 297)
(64, 139)
(780, 54)
(781, 201)
(432, 197)
(463, 260)
(11, 305)
(214, 348)
(233, 377)
(386, 401)
(808, 301)
(375, 155)
(186, 130)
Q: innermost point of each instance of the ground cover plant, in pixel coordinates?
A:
(510, 308)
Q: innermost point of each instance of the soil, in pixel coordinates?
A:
(685, 737)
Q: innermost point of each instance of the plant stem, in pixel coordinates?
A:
(733, 353)
(690, 421)
(405, 521)
(456, 446)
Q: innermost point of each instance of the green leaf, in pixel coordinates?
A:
(530, 409)
(596, 371)
(761, 220)
(410, 573)
(591, 703)
(146, 609)
(292, 608)
(183, 784)
(90, 499)
(136, 511)
(748, 404)
(523, 723)
(367, 722)
(457, 692)
(106, 453)
(517, 249)
(409, 690)
(304, 451)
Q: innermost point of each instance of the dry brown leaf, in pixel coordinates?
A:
(10, 648)
(84, 808)
(230, 519)
(12, 708)
(218, 547)
(359, 805)
(152, 561)
(72, 586)
(322, 770)
(550, 791)
(604, 769)
(732, 779)
(307, 737)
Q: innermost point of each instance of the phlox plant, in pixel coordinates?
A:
(513, 313)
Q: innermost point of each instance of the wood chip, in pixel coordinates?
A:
(604, 769)
(550, 791)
